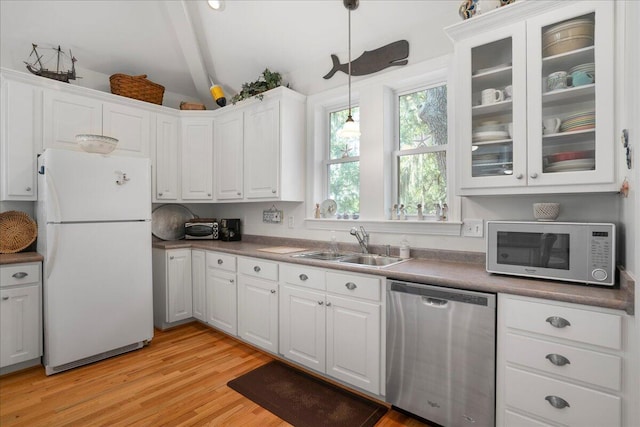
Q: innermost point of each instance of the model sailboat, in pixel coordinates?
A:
(37, 67)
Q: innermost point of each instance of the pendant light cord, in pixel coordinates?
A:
(349, 62)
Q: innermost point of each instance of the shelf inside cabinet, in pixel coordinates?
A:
(563, 138)
(571, 95)
(494, 142)
(564, 61)
(498, 107)
(499, 77)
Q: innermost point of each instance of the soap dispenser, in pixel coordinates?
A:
(404, 248)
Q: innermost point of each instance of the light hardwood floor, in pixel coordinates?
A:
(179, 379)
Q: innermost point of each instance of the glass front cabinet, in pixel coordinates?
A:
(535, 99)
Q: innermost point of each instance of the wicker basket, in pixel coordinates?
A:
(191, 106)
(137, 87)
(18, 231)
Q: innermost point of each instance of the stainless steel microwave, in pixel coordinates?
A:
(576, 252)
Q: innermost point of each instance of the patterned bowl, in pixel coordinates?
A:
(546, 211)
(96, 143)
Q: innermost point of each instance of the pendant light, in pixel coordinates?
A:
(351, 128)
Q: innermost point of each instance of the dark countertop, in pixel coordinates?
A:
(20, 258)
(455, 274)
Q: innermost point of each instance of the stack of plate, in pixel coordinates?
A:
(589, 67)
(567, 36)
(579, 121)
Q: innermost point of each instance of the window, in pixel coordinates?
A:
(421, 150)
(343, 164)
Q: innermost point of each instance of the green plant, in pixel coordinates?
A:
(268, 80)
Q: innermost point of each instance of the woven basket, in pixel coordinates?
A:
(17, 231)
(191, 106)
(137, 87)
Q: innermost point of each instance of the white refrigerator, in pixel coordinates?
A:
(94, 231)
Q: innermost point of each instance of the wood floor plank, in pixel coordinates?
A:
(179, 379)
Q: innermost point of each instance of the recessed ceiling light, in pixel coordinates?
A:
(216, 4)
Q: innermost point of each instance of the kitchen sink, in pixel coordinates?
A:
(322, 255)
(372, 260)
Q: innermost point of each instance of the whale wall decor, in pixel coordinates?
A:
(373, 61)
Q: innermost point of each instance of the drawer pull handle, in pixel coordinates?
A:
(350, 285)
(256, 269)
(20, 275)
(328, 304)
(320, 302)
(557, 359)
(5, 298)
(273, 291)
(557, 402)
(303, 277)
(558, 322)
(220, 262)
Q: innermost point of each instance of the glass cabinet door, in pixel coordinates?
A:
(493, 136)
(570, 92)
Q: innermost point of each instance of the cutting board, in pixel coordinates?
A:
(282, 250)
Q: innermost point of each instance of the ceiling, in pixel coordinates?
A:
(180, 43)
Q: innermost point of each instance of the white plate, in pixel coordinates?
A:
(328, 208)
(489, 135)
(572, 165)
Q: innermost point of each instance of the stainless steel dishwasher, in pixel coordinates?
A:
(441, 353)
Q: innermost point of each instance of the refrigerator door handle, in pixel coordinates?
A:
(55, 203)
(52, 249)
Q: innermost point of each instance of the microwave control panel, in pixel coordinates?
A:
(600, 255)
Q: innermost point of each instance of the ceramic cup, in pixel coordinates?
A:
(508, 92)
(491, 96)
(580, 78)
(557, 80)
(551, 125)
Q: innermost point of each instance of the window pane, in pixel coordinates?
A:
(343, 147)
(344, 186)
(423, 118)
(423, 179)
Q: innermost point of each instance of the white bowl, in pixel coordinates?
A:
(96, 143)
(546, 211)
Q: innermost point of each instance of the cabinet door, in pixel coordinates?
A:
(302, 326)
(262, 151)
(492, 155)
(197, 159)
(222, 300)
(19, 138)
(166, 167)
(179, 298)
(228, 156)
(258, 312)
(66, 115)
(20, 327)
(198, 280)
(130, 126)
(580, 150)
(353, 342)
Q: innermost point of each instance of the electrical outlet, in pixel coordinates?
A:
(291, 221)
(472, 228)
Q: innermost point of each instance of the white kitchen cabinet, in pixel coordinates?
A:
(490, 55)
(559, 363)
(228, 156)
(20, 316)
(197, 158)
(199, 283)
(262, 150)
(172, 287)
(131, 126)
(19, 124)
(331, 322)
(221, 292)
(167, 161)
(258, 303)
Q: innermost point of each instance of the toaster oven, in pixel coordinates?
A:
(201, 229)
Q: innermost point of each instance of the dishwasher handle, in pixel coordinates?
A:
(435, 295)
(434, 302)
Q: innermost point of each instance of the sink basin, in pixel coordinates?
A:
(326, 256)
(372, 260)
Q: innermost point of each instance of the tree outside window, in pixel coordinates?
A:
(343, 164)
(422, 144)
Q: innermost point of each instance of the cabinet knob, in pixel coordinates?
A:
(273, 291)
(231, 280)
(273, 191)
(533, 175)
(557, 359)
(328, 304)
(256, 269)
(19, 275)
(320, 302)
(159, 194)
(5, 298)
(557, 402)
(28, 188)
(220, 262)
(208, 194)
(519, 176)
(350, 285)
(558, 322)
(239, 193)
(304, 277)
(171, 257)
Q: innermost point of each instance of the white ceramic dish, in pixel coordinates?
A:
(572, 165)
(96, 143)
(489, 136)
(328, 208)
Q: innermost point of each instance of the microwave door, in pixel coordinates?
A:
(547, 241)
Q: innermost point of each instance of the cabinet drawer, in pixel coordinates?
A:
(221, 261)
(305, 276)
(352, 285)
(258, 268)
(533, 393)
(590, 327)
(513, 419)
(575, 363)
(19, 274)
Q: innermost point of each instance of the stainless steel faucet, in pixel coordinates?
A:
(363, 238)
